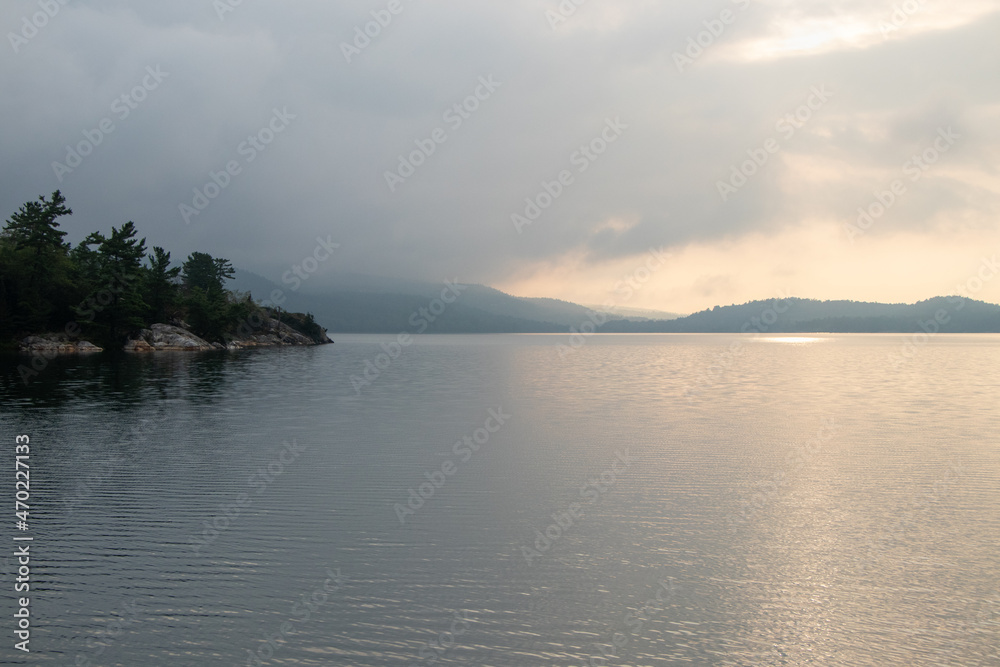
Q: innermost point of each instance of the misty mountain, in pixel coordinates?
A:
(951, 314)
(351, 303)
(623, 312)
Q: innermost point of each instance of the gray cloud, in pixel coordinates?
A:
(324, 174)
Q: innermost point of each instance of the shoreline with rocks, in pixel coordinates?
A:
(172, 338)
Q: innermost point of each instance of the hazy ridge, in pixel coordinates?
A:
(361, 304)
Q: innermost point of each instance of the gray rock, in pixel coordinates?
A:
(167, 338)
(271, 334)
(50, 345)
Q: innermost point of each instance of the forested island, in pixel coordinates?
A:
(111, 292)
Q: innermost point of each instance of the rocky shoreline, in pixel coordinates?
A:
(171, 338)
(56, 344)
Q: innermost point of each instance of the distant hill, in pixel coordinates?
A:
(621, 312)
(958, 315)
(352, 303)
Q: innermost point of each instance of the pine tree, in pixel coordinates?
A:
(207, 273)
(206, 296)
(161, 288)
(35, 285)
(115, 308)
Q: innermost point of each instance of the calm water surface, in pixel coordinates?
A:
(501, 500)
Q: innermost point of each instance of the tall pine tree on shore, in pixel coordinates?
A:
(35, 270)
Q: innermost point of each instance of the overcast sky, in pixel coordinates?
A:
(665, 122)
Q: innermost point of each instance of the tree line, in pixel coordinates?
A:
(108, 287)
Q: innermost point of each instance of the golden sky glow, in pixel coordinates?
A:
(795, 262)
(931, 239)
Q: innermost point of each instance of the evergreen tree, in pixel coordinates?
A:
(104, 285)
(115, 308)
(34, 226)
(161, 288)
(35, 285)
(207, 273)
(206, 297)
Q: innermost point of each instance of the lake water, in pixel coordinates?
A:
(502, 500)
